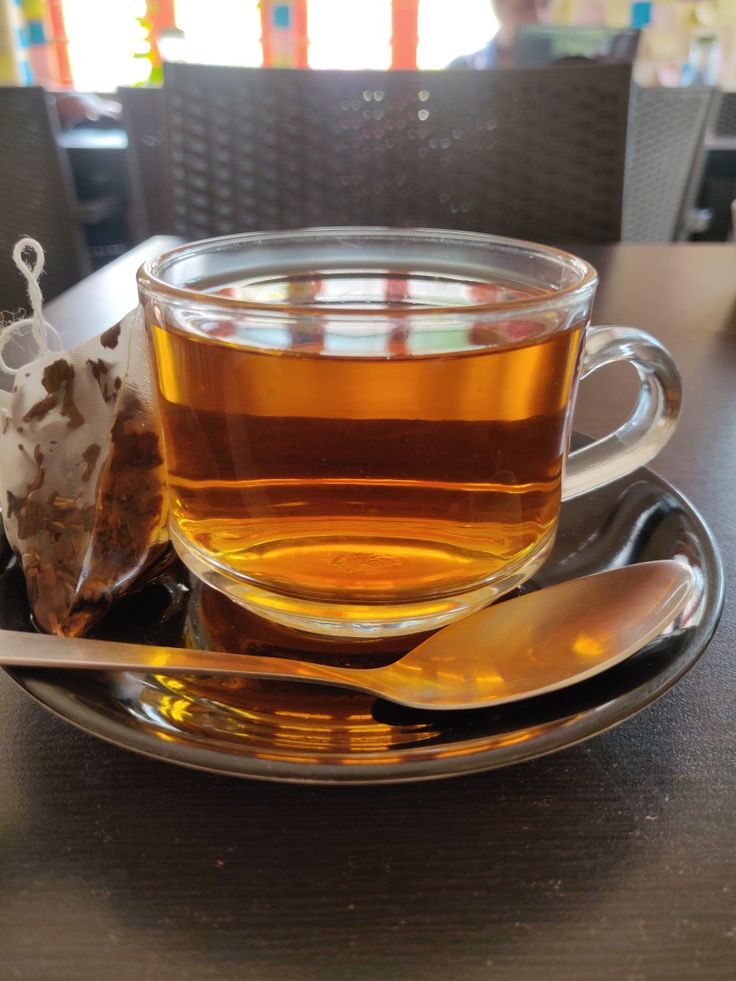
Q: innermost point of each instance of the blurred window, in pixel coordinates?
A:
(108, 45)
(349, 33)
(220, 32)
(104, 39)
(448, 28)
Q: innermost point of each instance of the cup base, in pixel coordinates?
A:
(366, 621)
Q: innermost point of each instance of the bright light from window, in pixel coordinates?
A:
(104, 38)
(220, 32)
(448, 28)
(345, 34)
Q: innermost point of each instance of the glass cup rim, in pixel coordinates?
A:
(150, 281)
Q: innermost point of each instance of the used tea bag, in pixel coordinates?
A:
(81, 477)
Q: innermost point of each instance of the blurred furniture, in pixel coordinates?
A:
(36, 197)
(542, 44)
(534, 153)
(144, 123)
(725, 123)
(96, 146)
(665, 160)
(718, 186)
(98, 159)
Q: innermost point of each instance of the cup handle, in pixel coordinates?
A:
(651, 422)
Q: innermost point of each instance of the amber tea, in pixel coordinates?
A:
(365, 479)
(360, 450)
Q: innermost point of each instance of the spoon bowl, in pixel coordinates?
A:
(531, 645)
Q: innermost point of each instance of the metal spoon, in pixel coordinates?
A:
(513, 650)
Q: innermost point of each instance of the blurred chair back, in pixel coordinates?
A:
(665, 160)
(36, 198)
(725, 125)
(144, 122)
(534, 153)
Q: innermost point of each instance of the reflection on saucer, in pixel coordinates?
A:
(308, 733)
(277, 716)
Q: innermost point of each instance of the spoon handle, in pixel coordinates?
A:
(44, 651)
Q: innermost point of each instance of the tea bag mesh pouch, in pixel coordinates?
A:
(81, 470)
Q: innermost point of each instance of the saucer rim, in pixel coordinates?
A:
(52, 690)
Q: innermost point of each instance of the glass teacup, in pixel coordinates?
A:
(367, 430)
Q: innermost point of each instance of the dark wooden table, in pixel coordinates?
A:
(614, 860)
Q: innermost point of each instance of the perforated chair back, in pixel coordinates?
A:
(665, 160)
(725, 125)
(533, 153)
(144, 122)
(36, 198)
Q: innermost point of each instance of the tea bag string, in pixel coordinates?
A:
(41, 330)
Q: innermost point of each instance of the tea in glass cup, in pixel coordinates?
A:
(367, 429)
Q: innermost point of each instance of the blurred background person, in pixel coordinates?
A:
(499, 52)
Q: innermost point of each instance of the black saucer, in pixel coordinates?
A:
(283, 731)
